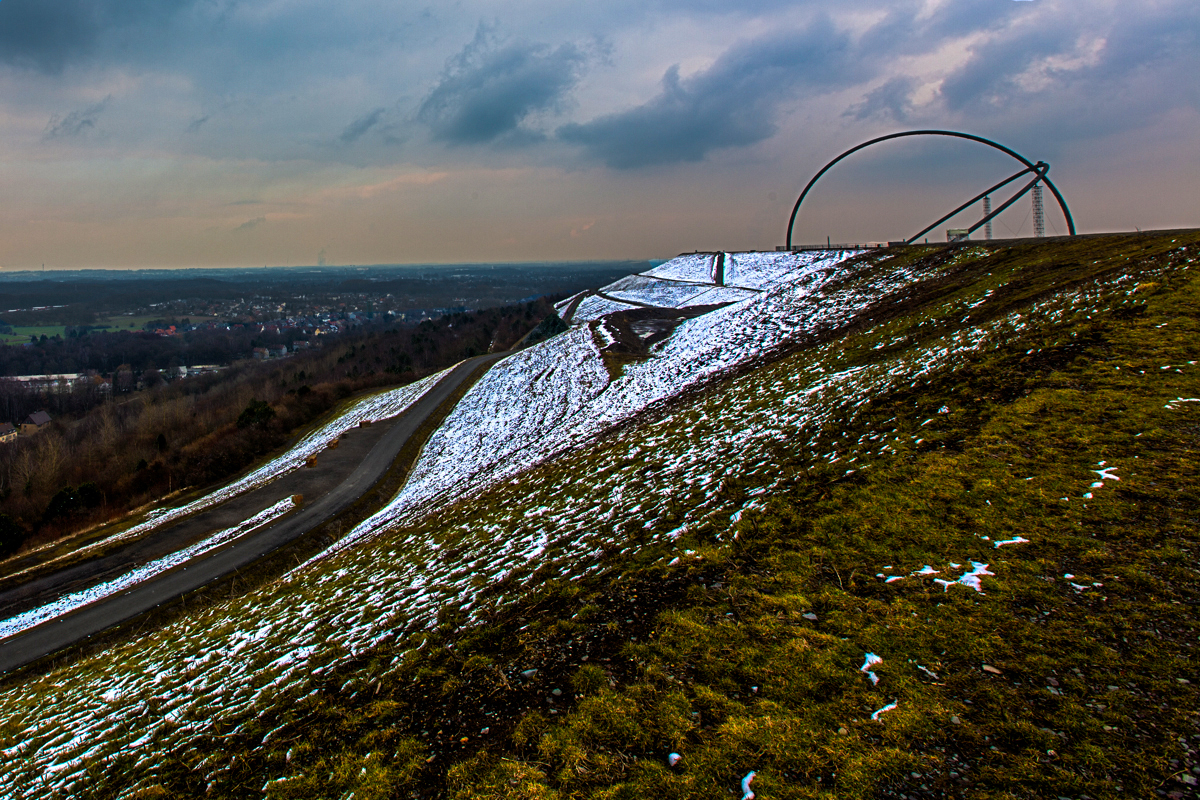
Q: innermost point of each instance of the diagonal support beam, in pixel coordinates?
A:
(1043, 168)
(972, 202)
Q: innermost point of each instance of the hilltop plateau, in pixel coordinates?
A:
(912, 522)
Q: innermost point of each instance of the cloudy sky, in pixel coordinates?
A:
(251, 132)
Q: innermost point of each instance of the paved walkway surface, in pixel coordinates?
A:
(366, 459)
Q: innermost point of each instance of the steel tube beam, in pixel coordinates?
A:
(970, 203)
(1041, 176)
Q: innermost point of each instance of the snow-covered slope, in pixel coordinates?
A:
(556, 395)
(691, 280)
(696, 268)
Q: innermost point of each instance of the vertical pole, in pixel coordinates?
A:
(827, 246)
(1039, 215)
(987, 209)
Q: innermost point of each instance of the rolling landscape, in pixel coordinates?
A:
(671, 400)
(900, 522)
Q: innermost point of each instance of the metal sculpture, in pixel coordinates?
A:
(1039, 170)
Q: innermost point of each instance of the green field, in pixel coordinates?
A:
(21, 333)
(122, 322)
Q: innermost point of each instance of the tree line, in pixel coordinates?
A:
(95, 464)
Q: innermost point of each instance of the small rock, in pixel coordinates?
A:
(485, 731)
(673, 759)
(991, 669)
(955, 721)
(842, 732)
(810, 616)
(1189, 780)
(556, 692)
(1183, 680)
(1052, 681)
(529, 673)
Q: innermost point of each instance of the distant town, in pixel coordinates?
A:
(76, 339)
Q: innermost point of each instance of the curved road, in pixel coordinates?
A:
(55, 634)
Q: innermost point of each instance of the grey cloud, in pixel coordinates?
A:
(48, 34)
(989, 74)
(488, 90)
(1145, 66)
(356, 129)
(891, 100)
(45, 35)
(195, 124)
(250, 224)
(1165, 44)
(732, 104)
(75, 123)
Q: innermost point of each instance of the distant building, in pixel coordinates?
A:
(277, 352)
(297, 346)
(958, 234)
(63, 381)
(261, 353)
(35, 422)
(7, 432)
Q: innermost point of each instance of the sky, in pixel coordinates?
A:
(175, 133)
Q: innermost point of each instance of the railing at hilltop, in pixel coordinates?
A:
(833, 246)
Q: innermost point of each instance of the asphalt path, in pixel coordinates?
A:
(66, 630)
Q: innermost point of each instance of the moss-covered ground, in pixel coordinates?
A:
(741, 647)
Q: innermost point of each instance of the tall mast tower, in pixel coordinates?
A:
(1039, 215)
(987, 210)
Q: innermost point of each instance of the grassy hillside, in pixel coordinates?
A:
(987, 479)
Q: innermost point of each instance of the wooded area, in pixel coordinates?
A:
(97, 461)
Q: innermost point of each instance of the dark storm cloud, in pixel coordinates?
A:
(75, 123)
(488, 90)
(48, 34)
(891, 100)
(733, 103)
(45, 34)
(356, 129)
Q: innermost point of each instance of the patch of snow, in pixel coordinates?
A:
(1014, 540)
(869, 661)
(889, 707)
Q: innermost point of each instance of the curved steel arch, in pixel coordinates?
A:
(1030, 166)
